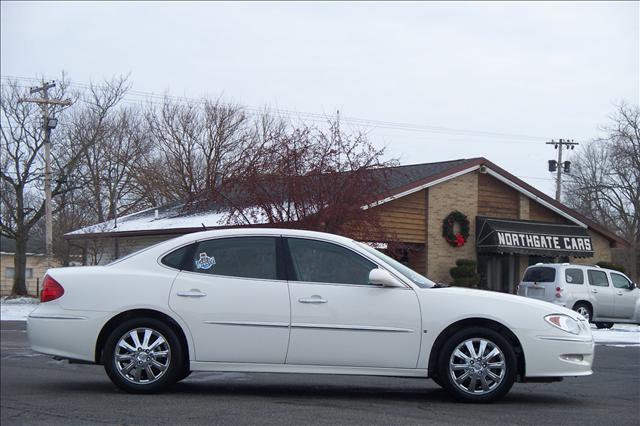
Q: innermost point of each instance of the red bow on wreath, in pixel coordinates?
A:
(459, 240)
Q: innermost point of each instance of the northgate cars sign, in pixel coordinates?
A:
(539, 241)
(532, 238)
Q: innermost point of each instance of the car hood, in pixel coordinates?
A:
(493, 297)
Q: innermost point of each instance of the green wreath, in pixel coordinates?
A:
(448, 225)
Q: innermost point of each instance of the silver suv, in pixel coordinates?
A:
(602, 296)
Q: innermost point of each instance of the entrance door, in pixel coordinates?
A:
(500, 272)
(339, 319)
(233, 302)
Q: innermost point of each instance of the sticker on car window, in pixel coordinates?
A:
(569, 278)
(205, 261)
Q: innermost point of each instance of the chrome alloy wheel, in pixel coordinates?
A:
(584, 311)
(477, 366)
(142, 355)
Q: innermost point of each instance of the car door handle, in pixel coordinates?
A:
(194, 292)
(593, 290)
(619, 293)
(312, 299)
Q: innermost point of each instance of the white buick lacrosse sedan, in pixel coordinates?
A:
(284, 301)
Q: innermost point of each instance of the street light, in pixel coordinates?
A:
(52, 123)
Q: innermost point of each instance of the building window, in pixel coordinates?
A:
(9, 272)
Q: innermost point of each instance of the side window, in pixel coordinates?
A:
(574, 276)
(317, 261)
(175, 259)
(619, 281)
(243, 257)
(598, 278)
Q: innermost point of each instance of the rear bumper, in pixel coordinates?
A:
(70, 334)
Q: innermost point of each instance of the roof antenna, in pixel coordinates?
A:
(203, 227)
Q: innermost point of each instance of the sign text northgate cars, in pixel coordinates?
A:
(551, 242)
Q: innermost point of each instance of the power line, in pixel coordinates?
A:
(141, 97)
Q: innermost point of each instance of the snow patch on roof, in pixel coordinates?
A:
(147, 220)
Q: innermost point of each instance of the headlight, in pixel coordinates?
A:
(564, 323)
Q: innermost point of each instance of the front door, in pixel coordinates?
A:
(339, 319)
(624, 299)
(602, 293)
(234, 302)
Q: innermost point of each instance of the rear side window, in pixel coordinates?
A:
(243, 257)
(176, 259)
(619, 281)
(540, 274)
(598, 278)
(574, 276)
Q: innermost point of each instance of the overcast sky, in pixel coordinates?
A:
(532, 70)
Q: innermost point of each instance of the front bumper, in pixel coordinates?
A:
(553, 355)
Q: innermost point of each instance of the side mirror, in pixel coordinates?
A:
(632, 285)
(384, 278)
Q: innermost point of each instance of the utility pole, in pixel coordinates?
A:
(49, 124)
(558, 166)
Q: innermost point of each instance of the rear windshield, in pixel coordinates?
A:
(540, 274)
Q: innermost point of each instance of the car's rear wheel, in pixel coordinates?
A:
(604, 324)
(477, 365)
(584, 310)
(143, 355)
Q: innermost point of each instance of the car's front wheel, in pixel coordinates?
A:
(143, 355)
(477, 365)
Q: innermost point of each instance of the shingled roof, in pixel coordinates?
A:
(399, 181)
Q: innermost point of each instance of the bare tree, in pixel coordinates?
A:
(197, 145)
(109, 166)
(22, 165)
(605, 182)
(311, 178)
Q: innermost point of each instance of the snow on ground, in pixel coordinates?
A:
(17, 309)
(620, 335)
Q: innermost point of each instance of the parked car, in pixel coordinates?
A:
(285, 301)
(602, 296)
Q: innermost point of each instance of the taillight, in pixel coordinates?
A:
(558, 290)
(51, 289)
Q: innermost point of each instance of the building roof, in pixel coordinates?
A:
(399, 181)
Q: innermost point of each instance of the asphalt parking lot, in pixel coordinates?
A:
(36, 389)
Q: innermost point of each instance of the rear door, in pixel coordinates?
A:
(602, 292)
(539, 283)
(235, 300)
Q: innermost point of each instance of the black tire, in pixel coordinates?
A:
(499, 387)
(185, 373)
(584, 310)
(437, 380)
(146, 382)
(604, 324)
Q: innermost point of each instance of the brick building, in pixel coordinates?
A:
(512, 224)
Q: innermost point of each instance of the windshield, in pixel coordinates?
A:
(409, 273)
